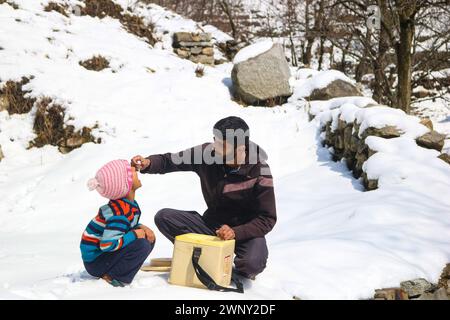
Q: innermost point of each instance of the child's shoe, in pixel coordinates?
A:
(113, 282)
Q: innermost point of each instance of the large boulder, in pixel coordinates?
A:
(335, 89)
(263, 77)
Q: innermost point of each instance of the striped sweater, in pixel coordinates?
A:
(112, 229)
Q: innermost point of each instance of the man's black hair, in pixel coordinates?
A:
(233, 123)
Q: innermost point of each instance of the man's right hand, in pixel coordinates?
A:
(140, 163)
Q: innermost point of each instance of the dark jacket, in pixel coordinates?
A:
(244, 199)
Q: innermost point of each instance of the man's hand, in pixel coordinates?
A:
(225, 232)
(149, 235)
(140, 163)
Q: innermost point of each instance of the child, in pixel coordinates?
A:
(114, 245)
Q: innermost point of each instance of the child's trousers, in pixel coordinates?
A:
(123, 264)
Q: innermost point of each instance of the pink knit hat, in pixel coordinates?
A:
(113, 180)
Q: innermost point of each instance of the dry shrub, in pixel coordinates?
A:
(13, 99)
(96, 63)
(12, 4)
(137, 26)
(200, 71)
(53, 6)
(50, 128)
(101, 9)
(131, 23)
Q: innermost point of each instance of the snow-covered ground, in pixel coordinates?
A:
(332, 240)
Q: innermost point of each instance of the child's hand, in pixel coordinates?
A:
(149, 235)
(140, 233)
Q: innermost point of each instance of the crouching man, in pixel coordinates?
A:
(238, 189)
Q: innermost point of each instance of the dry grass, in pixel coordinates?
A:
(269, 103)
(101, 9)
(239, 101)
(48, 123)
(96, 63)
(131, 23)
(200, 71)
(137, 26)
(53, 6)
(13, 97)
(50, 128)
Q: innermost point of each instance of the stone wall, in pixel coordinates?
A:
(196, 47)
(348, 144)
(418, 289)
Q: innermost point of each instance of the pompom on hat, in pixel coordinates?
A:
(114, 180)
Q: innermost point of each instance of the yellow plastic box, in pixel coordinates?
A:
(216, 259)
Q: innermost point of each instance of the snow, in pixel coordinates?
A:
(252, 51)
(308, 80)
(381, 116)
(316, 107)
(331, 241)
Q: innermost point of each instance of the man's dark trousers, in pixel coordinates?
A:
(251, 255)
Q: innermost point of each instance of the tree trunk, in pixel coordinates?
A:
(307, 54)
(404, 61)
(382, 90)
(226, 9)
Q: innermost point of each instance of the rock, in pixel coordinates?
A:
(445, 157)
(386, 132)
(416, 287)
(427, 123)
(444, 280)
(182, 37)
(196, 50)
(202, 37)
(4, 102)
(390, 294)
(432, 140)
(1, 154)
(440, 294)
(230, 48)
(337, 88)
(194, 44)
(263, 77)
(208, 51)
(183, 53)
(220, 61)
(179, 37)
(202, 59)
(425, 296)
(369, 184)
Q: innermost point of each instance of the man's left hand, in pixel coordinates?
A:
(225, 232)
